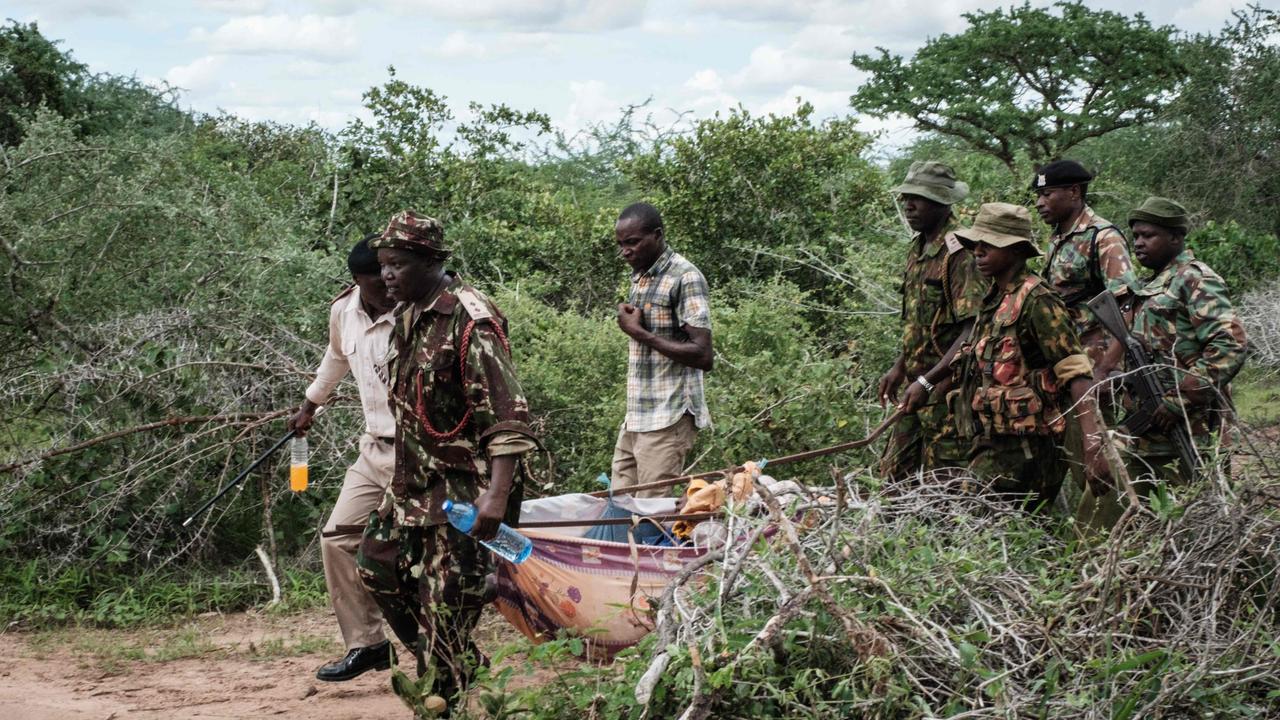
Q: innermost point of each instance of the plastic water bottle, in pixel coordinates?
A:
(298, 464)
(507, 544)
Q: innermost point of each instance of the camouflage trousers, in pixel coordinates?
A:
(431, 585)
(1101, 508)
(924, 441)
(1027, 467)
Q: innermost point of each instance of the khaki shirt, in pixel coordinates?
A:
(357, 343)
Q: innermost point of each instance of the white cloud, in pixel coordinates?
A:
(883, 18)
(198, 76)
(303, 68)
(816, 55)
(591, 103)
(706, 80)
(234, 7)
(339, 7)
(825, 103)
(460, 45)
(310, 35)
(78, 8)
(1202, 16)
(671, 26)
(457, 45)
(294, 114)
(568, 15)
(756, 10)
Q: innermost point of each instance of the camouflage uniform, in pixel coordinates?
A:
(457, 405)
(1184, 318)
(1091, 256)
(941, 290)
(1016, 369)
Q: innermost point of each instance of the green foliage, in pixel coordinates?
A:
(40, 594)
(33, 73)
(1220, 153)
(1243, 258)
(989, 611)
(505, 221)
(747, 196)
(1029, 82)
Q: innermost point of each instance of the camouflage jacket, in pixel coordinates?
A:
(1078, 272)
(456, 400)
(941, 289)
(1023, 354)
(1184, 318)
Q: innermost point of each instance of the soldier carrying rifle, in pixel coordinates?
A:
(1184, 321)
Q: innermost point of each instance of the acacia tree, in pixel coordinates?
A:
(1028, 82)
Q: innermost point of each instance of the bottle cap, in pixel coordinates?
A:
(448, 505)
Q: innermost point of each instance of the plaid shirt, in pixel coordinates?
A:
(670, 294)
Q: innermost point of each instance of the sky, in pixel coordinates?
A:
(580, 61)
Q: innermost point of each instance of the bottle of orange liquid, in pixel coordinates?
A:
(298, 464)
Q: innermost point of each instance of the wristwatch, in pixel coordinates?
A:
(928, 386)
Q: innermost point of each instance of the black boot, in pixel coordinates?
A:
(357, 662)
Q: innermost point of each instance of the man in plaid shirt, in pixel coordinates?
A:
(668, 318)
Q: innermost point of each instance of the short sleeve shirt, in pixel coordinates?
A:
(672, 293)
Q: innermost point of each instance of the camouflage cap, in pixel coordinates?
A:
(1060, 173)
(933, 180)
(1000, 225)
(1161, 211)
(409, 230)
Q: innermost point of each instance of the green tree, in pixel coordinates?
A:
(33, 72)
(1223, 154)
(1028, 82)
(745, 197)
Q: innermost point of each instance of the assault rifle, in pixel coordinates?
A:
(1144, 381)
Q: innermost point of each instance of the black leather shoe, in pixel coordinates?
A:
(357, 662)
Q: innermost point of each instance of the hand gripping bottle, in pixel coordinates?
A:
(507, 544)
(298, 464)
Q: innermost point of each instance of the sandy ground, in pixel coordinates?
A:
(248, 665)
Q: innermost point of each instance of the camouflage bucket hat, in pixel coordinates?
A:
(1000, 225)
(933, 180)
(1161, 211)
(413, 231)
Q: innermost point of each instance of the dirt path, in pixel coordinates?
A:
(248, 665)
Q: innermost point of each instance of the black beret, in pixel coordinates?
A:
(1060, 173)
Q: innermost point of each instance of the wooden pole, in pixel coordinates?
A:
(785, 459)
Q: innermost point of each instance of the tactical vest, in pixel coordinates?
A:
(1012, 399)
(1096, 282)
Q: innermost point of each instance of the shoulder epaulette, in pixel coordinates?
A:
(474, 304)
(953, 243)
